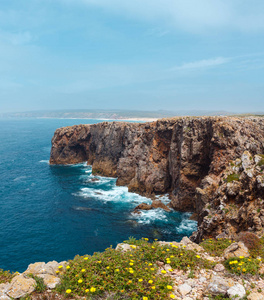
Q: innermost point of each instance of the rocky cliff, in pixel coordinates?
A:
(187, 157)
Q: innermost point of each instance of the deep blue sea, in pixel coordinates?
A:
(55, 212)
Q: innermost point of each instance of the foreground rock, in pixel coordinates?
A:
(236, 250)
(21, 286)
(186, 157)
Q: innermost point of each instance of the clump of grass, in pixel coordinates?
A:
(261, 162)
(40, 285)
(129, 275)
(215, 247)
(232, 177)
(242, 265)
(5, 276)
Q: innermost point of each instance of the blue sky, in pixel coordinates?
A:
(145, 55)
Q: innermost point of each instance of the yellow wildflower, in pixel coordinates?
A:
(153, 287)
(93, 289)
(83, 270)
(85, 258)
(145, 298)
(163, 272)
(140, 280)
(60, 267)
(169, 287)
(198, 256)
(80, 281)
(68, 291)
(68, 267)
(117, 270)
(172, 296)
(150, 281)
(87, 290)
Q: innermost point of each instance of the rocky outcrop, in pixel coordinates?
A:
(155, 204)
(186, 157)
(23, 284)
(235, 203)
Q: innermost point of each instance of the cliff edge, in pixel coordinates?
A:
(187, 157)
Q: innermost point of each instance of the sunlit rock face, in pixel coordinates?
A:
(186, 157)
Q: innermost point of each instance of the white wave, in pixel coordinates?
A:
(20, 178)
(97, 180)
(83, 208)
(163, 198)
(46, 161)
(116, 194)
(187, 226)
(150, 216)
(82, 164)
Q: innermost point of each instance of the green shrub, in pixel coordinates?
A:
(232, 177)
(215, 247)
(242, 265)
(128, 275)
(40, 285)
(259, 250)
(251, 240)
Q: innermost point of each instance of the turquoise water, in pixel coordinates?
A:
(55, 212)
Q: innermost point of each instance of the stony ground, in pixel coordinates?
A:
(216, 282)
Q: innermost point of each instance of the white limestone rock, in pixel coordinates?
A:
(237, 291)
(20, 286)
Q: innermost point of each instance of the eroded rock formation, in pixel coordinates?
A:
(184, 156)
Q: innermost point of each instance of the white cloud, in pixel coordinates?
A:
(190, 15)
(202, 64)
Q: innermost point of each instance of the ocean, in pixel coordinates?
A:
(56, 212)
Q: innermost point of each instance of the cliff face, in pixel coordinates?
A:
(171, 155)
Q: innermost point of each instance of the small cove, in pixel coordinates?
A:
(55, 212)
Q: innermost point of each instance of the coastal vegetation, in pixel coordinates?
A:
(140, 269)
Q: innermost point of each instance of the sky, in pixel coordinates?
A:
(139, 55)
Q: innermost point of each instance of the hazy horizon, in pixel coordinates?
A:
(114, 55)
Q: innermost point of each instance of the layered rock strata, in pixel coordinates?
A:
(186, 157)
